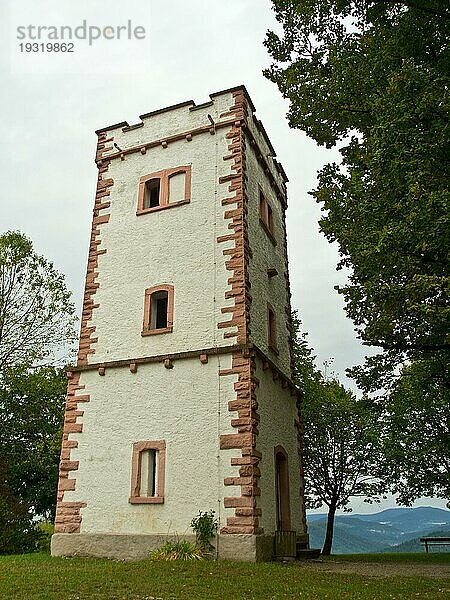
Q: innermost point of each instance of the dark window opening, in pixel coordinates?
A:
(159, 310)
(282, 492)
(272, 332)
(152, 193)
(266, 214)
(270, 218)
(262, 206)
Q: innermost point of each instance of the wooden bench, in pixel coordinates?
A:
(434, 541)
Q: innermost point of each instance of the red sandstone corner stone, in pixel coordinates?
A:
(67, 528)
(239, 502)
(238, 529)
(67, 519)
(66, 485)
(249, 520)
(236, 440)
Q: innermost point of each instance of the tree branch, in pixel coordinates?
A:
(405, 346)
(413, 5)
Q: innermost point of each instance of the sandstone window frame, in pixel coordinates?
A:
(163, 177)
(159, 446)
(149, 307)
(266, 216)
(272, 328)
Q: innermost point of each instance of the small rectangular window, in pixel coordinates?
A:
(262, 207)
(271, 328)
(270, 218)
(152, 193)
(266, 216)
(148, 472)
(158, 310)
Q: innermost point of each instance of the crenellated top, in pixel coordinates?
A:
(187, 119)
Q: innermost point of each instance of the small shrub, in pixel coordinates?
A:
(178, 550)
(205, 527)
(45, 529)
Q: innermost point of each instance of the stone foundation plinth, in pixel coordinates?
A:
(121, 546)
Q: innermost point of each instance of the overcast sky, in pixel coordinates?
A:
(52, 103)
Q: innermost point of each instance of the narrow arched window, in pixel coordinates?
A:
(283, 509)
(158, 310)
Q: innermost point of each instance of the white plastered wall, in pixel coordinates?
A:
(174, 246)
(187, 408)
(277, 410)
(265, 255)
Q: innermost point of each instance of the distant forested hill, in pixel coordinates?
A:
(391, 530)
(414, 545)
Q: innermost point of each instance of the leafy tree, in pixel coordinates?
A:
(342, 449)
(36, 325)
(31, 416)
(36, 314)
(373, 77)
(378, 71)
(416, 439)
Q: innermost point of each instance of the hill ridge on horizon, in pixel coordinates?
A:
(398, 510)
(382, 531)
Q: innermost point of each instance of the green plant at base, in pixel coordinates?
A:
(46, 530)
(205, 527)
(178, 550)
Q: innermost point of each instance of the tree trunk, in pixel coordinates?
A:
(326, 550)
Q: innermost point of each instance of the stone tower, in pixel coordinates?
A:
(182, 397)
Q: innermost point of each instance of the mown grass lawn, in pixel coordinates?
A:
(41, 577)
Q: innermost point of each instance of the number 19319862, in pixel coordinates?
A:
(46, 47)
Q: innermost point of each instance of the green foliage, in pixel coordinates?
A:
(18, 534)
(341, 439)
(416, 434)
(36, 313)
(205, 528)
(178, 550)
(341, 434)
(341, 447)
(31, 416)
(373, 76)
(36, 325)
(46, 530)
(378, 72)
